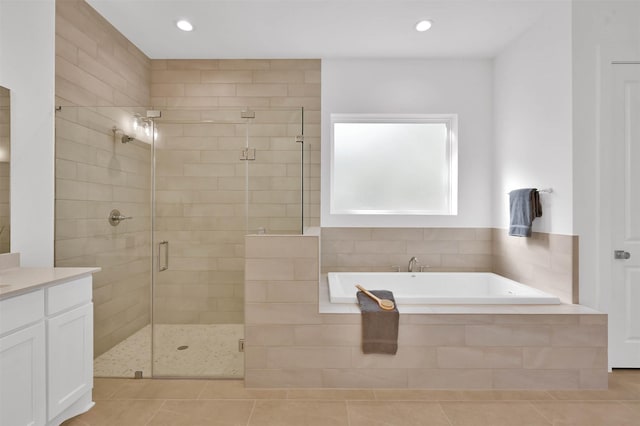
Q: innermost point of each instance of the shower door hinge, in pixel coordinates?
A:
(248, 154)
(240, 345)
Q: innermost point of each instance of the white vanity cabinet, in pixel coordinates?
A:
(69, 344)
(46, 350)
(22, 360)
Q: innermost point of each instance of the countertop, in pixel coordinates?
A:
(18, 280)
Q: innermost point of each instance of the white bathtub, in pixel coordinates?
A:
(427, 288)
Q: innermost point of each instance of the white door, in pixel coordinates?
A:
(624, 314)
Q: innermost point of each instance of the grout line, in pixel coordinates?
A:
(346, 408)
(156, 412)
(444, 413)
(253, 407)
(537, 410)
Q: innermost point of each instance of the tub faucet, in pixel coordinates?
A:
(412, 263)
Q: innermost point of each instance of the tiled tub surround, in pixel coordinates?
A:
(288, 343)
(547, 262)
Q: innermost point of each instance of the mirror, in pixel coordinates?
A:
(5, 155)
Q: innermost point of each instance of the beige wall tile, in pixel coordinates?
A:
(505, 335)
(282, 313)
(580, 336)
(432, 335)
(474, 357)
(308, 357)
(450, 379)
(365, 378)
(536, 379)
(408, 357)
(559, 358)
(284, 378)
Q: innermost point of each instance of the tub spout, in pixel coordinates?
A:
(412, 264)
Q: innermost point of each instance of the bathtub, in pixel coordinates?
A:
(425, 288)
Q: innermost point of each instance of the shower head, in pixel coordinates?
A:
(126, 139)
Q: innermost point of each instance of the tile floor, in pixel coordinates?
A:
(128, 402)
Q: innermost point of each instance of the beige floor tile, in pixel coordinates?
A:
(160, 389)
(619, 389)
(299, 413)
(107, 388)
(634, 405)
(493, 414)
(203, 412)
(591, 413)
(396, 413)
(110, 413)
(626, 379)
(234, 389)
(332, 394)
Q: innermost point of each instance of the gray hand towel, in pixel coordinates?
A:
(379, 327)
(524, 207)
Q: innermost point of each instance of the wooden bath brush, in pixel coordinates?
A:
(385, 304)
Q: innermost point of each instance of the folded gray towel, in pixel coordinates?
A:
(524, 207)
(379, 327)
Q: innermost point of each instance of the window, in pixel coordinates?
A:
(393, 164)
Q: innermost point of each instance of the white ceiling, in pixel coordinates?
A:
(256, 29)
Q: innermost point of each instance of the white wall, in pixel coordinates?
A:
(532, 121)
(602, 31)
(27, 52)
(417, 86)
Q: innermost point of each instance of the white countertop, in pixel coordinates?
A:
(16, 281)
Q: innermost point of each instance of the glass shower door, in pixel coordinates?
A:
(199, 228)
(219, 174)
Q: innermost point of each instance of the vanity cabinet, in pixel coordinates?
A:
(46, 353)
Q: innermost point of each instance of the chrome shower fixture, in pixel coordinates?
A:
(144, 123)
(119, 134)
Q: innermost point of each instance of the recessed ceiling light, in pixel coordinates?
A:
(184, 25)
(423, 26)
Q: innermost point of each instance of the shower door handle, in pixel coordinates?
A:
(164, 267)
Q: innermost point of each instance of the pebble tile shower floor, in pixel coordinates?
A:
(212, 351)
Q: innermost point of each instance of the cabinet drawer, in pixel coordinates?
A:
(18, 311)
(67, 295)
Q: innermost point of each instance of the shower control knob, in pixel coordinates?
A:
(115, 217)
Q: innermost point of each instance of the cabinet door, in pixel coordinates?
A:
(22, 377)
(69, 357)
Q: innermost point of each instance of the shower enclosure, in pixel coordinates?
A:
(161, 201)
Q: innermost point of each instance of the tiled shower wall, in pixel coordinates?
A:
(380, 249)
(200, 185)
(96, 65)
(545, 261)
(5, 147)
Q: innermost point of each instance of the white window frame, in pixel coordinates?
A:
(451, 123)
